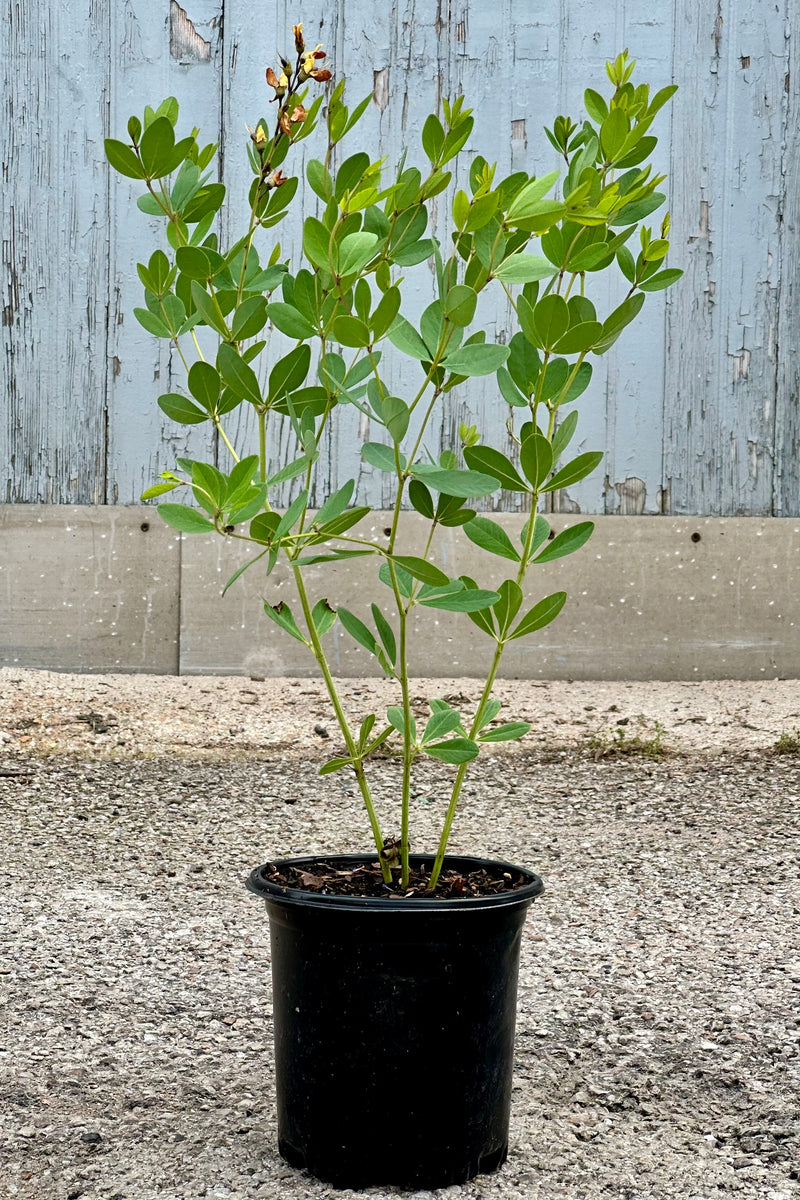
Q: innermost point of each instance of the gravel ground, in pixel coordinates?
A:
(658, 1018)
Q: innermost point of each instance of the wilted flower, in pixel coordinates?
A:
(279, 84)
(309, 71)
(276, 179)
(296, 116)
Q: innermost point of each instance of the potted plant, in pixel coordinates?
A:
(395, 972)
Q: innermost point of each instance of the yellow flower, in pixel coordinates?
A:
(299, 43)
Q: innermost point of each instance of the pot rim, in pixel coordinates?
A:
(274, 893)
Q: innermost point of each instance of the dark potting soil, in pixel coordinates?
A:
(367, 880)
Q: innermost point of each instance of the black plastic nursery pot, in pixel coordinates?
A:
(394, 1027)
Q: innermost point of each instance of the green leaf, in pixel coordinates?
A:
(618, 320)
(241, 570)
(333, 556)
(491, 462)
(405, 338)
(152, 323)
(358, 631)
(334, 764)
(193, 262)
(319, 179)
(524, 205)
(579, 384)
(185, 519)
(579, 338)
(510, 732)
(292, 515)
(384, 315)
(444, 721)
(563, 434)
(469, 600)
(290, 471)
(236, 373)
(509, 390)
(551, 320)
(421, 498)
(379, 456)
(540, 615)
(581, 466)
(323, 616)
(490, 710)
(262, 527)
(157, 146)
(459, 304)
(385, 633)
(397, 719)
(524, 268)
(289, 372)
(336, 504)
(476, 360)
(316, 243)
(249, 319)
(158, 489)
(613, 132)
(351, 331)
(638, 210)
(541, 532)
(395, 413)
(595, 106)
(209, 486)
(289, 321)
(208, 309)
(123, 159)
(663, 279)
(464, 484)
(536, 459)
(405, 582)
(566, 542)
(507, 607)
(433, 137)
(354, 252)
(424, 571)
(204, 384)
(179, 409)
(454, 750)
(281, 614)
(345, 521)
(491, 537)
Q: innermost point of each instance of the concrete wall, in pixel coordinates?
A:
(113, 589)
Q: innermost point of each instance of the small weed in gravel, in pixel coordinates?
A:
(612, 743)
(788, 742)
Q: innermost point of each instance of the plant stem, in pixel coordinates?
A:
(262, 446)
(485, 696)
(352, 749)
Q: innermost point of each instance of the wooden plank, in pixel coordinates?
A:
(159, 50)
(786, 351)
(727, 170)
(697, 405)
(55, 229)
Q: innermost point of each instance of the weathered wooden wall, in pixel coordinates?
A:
(696, 407)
